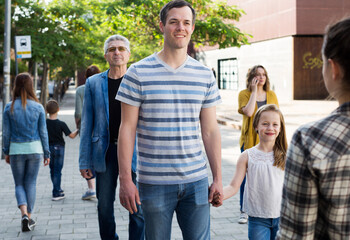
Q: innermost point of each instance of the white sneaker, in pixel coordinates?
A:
(243, 218)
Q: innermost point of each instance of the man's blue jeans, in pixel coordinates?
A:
(106, 184)
(25, 169)
(56, 165)
(189, 201)
(262, 228)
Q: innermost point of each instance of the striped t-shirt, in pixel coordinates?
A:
(170, 102)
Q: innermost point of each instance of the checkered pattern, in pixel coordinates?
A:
(316, 193)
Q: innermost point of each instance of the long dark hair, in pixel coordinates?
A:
(281, 145)
(336, 46)
(24, 89)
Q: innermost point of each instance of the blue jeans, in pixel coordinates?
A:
(189, 201)
(106, 184)
(56, 165)
(241, 189)
(25, 168)
(262, 228)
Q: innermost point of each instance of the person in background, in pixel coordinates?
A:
(257, 94)
(55, 129)
(25, 140)
(79, 99)
(264, 165)
(100, 122)
(316, 191)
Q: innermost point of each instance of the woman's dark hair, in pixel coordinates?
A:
(175, 4)
(252, 73)
(336, 46)
(91, 70)
(23, 88)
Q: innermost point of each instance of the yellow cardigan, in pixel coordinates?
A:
(249, 137)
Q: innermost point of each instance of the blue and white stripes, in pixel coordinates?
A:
(170, 101)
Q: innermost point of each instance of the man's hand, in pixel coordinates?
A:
(216, 195)
(7, 159)
(86, 173)
(46, 161)
(129, 196)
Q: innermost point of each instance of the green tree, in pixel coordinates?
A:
(139, 20)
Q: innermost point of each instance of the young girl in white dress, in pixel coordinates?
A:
(264, 165)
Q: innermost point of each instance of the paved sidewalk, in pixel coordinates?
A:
(73, 218)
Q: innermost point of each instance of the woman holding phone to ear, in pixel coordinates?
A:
(257, 94)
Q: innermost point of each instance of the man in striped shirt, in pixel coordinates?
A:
(166, 99)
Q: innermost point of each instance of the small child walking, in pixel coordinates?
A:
(264, 165)
(55, 129)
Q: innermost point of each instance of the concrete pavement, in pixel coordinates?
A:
(73, 218)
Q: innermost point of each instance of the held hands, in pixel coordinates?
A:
(216, 196)
(86, 173)
(129, 196)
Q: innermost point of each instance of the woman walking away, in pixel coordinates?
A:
(316, 192)
(25, 140)
(257, 94)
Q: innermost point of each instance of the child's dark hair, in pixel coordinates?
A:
(281, 145)
(52, 107)
(336, 46)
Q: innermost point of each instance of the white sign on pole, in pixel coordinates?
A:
(23, 46)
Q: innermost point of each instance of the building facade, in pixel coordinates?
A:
(287, 40)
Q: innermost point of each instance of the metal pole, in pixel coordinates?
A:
(7, 47)
(7, 61)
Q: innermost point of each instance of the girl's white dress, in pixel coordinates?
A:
(263, 188)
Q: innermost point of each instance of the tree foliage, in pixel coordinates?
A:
(68, 35)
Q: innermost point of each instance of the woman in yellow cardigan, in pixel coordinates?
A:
(257, 94)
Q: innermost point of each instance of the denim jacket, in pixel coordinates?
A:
(25, 125)
(94, 132)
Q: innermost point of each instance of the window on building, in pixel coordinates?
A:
(228, 73)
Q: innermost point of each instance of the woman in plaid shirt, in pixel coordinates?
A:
(316, 192)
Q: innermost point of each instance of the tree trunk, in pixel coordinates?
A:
(43, 94)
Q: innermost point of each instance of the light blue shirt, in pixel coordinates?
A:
(26, 148)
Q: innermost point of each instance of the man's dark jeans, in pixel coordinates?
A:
(106, 184)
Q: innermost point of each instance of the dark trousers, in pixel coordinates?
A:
(56, 165)
(106, 184)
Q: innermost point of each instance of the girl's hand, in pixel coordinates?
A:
(7, 159)
(46, 161)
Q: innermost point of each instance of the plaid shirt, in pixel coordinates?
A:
(316, 193)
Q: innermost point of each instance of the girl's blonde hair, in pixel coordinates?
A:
(281, 145)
